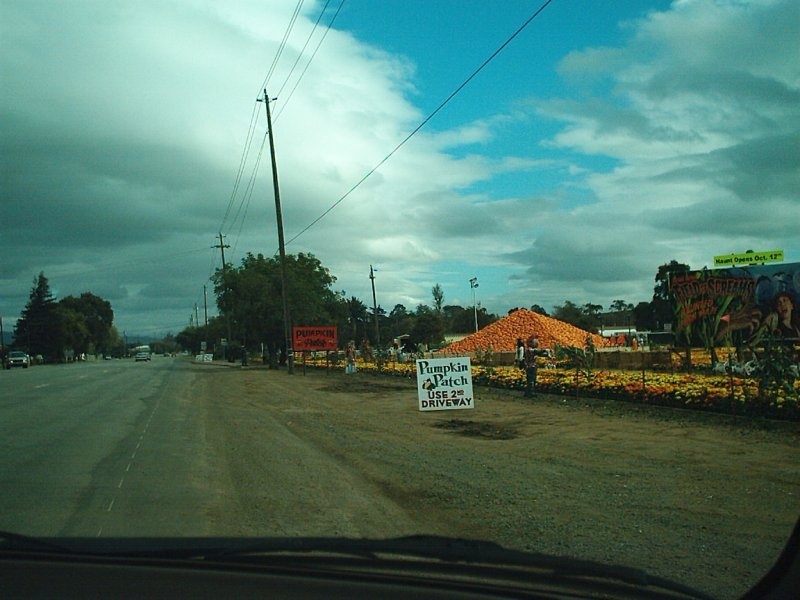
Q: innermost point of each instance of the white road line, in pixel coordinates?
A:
(120, 483)
(110, 505)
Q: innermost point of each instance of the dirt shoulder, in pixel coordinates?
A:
(698, 498)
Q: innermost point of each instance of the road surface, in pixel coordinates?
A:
(173, 448)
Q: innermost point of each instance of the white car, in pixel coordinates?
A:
(142, 356)
(17, 358)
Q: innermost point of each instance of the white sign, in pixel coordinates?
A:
(444, 383)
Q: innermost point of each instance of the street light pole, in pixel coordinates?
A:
(473, 283)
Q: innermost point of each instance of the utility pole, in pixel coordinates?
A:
(222, 245)
(281, 244)
(375, 310)
(205, 304)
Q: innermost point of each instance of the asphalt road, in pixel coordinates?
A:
(174, 448)
(109, 448)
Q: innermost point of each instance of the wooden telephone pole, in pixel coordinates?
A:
(281, 245)
(375, 309)
(222, 245)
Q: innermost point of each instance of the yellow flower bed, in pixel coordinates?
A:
(715, 392)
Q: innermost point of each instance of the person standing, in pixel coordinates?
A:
(531, 352)
(350, 358)
(519, 357)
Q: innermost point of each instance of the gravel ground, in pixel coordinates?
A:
(697, 498)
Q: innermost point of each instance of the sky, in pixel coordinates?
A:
(559, 155)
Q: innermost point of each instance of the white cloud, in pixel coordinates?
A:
(124, 126)
(703, 125)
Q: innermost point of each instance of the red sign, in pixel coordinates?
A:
(310, 339)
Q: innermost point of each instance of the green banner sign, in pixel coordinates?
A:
(748, 258)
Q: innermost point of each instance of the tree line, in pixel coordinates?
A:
(251, 316)
(250, 307)
(74, 325)
(249, 302)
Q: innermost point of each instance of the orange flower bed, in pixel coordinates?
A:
(502, 335)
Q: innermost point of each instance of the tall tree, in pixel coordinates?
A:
(35, 327)
(399, 322)
(98, 317)
(584, 317)
(458, 319)
(538, 309)
(428, 326)
(592, 314)
(70, 331)
(438, 298)
(569, 312)
(251, 297)
(357, 320)
(663, 309)
(619, 306)
(644, 317)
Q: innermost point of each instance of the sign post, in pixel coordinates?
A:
(444, 384)
(314, 339)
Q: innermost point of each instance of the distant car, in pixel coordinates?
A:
(17, 358)
(142, 356)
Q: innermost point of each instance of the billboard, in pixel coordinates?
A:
(311, 339)
(738, 305)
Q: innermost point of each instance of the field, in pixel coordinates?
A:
(705, 499)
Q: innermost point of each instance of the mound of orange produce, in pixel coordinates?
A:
(502, 335)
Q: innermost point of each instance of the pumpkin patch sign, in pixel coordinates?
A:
(444, 383)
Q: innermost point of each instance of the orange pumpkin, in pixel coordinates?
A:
(502, 335)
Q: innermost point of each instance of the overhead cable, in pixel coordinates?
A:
(426, 120)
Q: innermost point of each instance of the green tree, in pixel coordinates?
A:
(251, 298)
(644, 317)
(620, 306)
(571, 313)
(398, 322)
(438, 298)
(538, 309)
(662, 305)
(428, 326)
(591, 313)
(357, 321)
(458, 319)
(98, 319)
(70, 331)
(35, 327)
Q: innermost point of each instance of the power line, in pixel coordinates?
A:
(303, 49)
(245, 199)
(282, 46)
(248, 194)
(311, 58)
(424, 122)
(253, 119)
